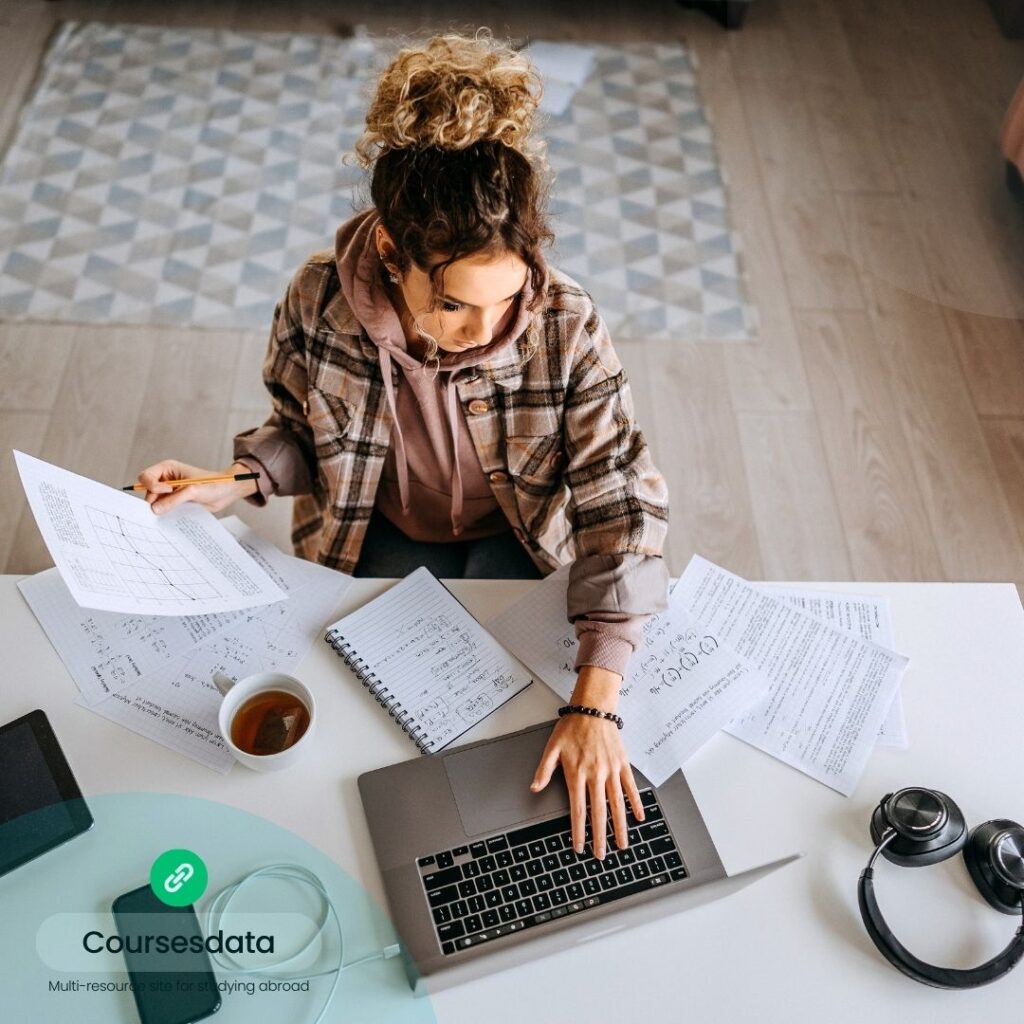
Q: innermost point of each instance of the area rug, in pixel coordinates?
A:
(180, 176)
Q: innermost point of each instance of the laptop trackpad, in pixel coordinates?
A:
(491, 783)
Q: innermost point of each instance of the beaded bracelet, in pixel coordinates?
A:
(581, 709)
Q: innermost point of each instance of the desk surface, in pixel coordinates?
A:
(794, 941)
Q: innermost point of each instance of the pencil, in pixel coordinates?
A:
(175, 484)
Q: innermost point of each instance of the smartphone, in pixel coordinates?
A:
(172, 981)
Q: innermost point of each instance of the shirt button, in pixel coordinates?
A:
(498, 477)
(477, 406)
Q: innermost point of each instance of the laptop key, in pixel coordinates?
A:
(501, 878)
(656, 864)
(460, 908)
(654, 829)
(473, 923)
(534, 868)
(520, 854)
(673, 860)
(528, 888)
(607, 881)
(467, 888)
(451, 931)
(541, 902)
(438, 879)
(561, 877)
(507, 912)
(496, 844)
(524, 908)
(648, 798)
(537, 849)
(541, 918)
(593, 867)
(624, 876)
(544, 882)
(493, 898)
(470, 869)
(623, 891)
(447, 948)
(425, 862)
(627, 857)
(641, 870)
(437, 897)
(490, 918)
(591, 886)
(559, 912)
(509, 893)
(633, 835)
(678, 874)
(476, 904)
(484, 882)
(662, 845)
(445, 860)
(577, 872)
(459, 851)
(653, 813)
(517, 873)
(558, 897)
(478, 849)
(641, 850)
(488, 863)
(575, 891)
(567, 857)
(550, 862)
(442, 915)
(504, 859)
(553, 843)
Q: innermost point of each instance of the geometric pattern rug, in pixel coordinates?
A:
(180, 176)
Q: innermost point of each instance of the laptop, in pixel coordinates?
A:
(480, 874)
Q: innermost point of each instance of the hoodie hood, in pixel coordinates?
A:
(359, 272)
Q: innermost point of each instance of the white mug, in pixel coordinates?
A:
(237, 693)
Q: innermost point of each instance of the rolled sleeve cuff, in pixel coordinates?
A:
(264, 485)
(602, 650)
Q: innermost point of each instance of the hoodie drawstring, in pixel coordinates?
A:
(384, 358)
(453, 423)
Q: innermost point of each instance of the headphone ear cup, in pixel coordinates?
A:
(897, 811)
(993, 855)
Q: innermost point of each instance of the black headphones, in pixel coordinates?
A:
(914, 827)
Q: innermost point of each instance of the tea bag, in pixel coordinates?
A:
(280, 728)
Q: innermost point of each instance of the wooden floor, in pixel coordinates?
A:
(876, 431)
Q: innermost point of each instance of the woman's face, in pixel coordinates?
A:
(479, 301)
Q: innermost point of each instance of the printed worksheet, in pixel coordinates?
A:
(115, 555)
(683, 685)
(177, 705)
(106, 652)
(862, 615)
(829, 689)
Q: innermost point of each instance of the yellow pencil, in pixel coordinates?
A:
(175, 484)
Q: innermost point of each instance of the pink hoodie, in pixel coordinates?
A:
(431, 442)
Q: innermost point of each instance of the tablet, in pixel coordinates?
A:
(41, 805)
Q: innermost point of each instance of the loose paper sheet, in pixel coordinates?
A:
(683, 686)
(829, 689)
(862, 615)
(106, 652)
(115, 555)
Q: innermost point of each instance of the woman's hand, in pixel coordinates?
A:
(214, 497)
(594, 763)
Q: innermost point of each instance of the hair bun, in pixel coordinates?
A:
(452, 92)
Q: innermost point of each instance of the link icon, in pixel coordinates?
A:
(178, 878)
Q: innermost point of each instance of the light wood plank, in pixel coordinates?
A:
(808, 231)
(991, 351)
(799, 528)
(768, 374)
(700, 457)
(32, 362)
(1005, 438)
(24, 431)
(93, 421)
(886, 523)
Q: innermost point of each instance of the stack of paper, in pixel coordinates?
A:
(154, 674)
(805, 676)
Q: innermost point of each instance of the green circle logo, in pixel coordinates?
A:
(178, 878)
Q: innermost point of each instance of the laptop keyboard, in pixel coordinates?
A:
(528, 876)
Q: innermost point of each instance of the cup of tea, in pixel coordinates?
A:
(267, 720)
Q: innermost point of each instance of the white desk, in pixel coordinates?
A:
(790, 948)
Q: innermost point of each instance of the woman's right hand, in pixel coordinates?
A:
(214, 497)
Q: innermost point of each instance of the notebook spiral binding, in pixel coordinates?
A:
(377, 690)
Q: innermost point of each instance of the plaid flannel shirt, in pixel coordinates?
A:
(555, 436)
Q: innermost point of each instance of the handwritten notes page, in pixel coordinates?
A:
(115, 555)
(829, 690)
(432, 660)
(862, 615)
(153, 674)
(683, 685)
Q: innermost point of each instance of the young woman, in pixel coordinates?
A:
(442, 397)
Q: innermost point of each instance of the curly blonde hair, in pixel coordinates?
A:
(455, 169)
(453, 92)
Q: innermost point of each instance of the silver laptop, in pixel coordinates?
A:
(480, 873)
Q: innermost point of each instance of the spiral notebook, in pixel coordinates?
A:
(427, 661)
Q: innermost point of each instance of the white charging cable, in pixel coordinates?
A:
(295, 873)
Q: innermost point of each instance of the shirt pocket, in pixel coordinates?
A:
(534, 461)
(329, 417)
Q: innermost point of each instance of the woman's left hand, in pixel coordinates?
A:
(595, 767)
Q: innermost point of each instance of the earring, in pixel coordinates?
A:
(392, 277)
